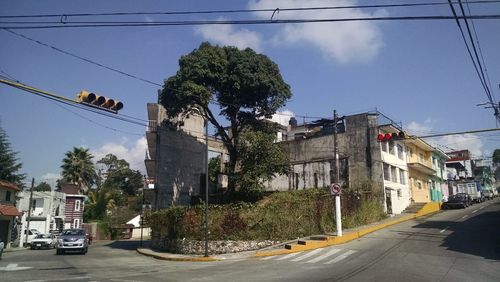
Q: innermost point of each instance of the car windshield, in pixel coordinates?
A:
(78, 232)
(43, 236)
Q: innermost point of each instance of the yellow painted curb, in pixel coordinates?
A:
(427, 209)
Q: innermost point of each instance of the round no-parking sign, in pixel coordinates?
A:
(335, 189)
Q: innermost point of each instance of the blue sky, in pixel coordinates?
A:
(416, 72)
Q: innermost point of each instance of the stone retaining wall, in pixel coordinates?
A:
(192, 247)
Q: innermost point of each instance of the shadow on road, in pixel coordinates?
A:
(128, 244)
(477, 235)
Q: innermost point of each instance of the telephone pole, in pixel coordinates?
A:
(338, 216)
(30, 205)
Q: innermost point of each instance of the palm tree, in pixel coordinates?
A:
(78, 168)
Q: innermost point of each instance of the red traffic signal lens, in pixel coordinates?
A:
(380, 137)
(387, 137)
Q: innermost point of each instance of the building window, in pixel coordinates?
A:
(419, 185)
(76, 223)
(400, 194)
(421, 157)
(392, 148)
(402, 178)
(296, 181)
(400, 152)
(77, 205)
(7, 196)
(386, 172)
(315, 180)
(394, 176)
(384, 146)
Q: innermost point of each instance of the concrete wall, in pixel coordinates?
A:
(181, 165)
(313, 158)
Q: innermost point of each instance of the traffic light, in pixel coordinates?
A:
(392, 136)
(100, 102)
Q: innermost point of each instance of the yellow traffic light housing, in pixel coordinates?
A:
(99, 102)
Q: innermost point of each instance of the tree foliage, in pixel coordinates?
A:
(77, 168)
(261, 160)
(119, 175)
(496, 157)
(247, 87)
(42, 187)
(9, 164)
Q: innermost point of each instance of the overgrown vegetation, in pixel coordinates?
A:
(280, 216)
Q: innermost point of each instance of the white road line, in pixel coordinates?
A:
(324, 256)
(465, 216)
(310, 254)
(444, 229)
(288, 256)
(269, 257)
(481, 208)
(474, 211)
(341, 257)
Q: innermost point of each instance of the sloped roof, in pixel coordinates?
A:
(9, 185)
(6, 210)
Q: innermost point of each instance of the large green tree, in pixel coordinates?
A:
(496, 163)
(78, 168)
(261, 160)
(119, 175)
(9, 164)
(245, 85)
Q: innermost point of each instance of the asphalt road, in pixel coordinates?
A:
(453, 245)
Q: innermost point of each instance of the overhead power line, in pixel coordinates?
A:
(51, 25)
(233, 11)
(81, 58)
(458, 133)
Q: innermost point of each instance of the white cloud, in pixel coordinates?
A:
(51, 176)
(471, 142)
(134, 155)
(282, 117)
(228, 35)
(341, 41)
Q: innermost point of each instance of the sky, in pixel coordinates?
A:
(416, 72)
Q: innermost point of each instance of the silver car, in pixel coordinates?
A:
(72, 240)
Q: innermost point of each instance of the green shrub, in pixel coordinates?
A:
(279, 216)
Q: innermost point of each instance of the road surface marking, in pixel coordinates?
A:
(14, 267)
(444, 229)
(61, 279)
(288, 256)
(465, 216)
(481, 208)
(310, 254)
(341, 257)
(324, 256)
(270, 257)
(474, 211)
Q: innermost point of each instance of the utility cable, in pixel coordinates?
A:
(5, 25)
(63, 16)
(82, 58)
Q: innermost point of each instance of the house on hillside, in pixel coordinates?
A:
(8, 211)
(74, 207)
(47, 211)
(439, 183)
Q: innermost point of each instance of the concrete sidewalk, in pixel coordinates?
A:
(305, 244)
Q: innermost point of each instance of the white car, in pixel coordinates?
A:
(32, 233)
(43, 241)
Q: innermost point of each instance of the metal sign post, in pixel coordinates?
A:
(335, 190)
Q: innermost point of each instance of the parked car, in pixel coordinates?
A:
(1, 249)
(72, 240)
(488, 194)
(460, 200)
(32, 233)
(43, 241)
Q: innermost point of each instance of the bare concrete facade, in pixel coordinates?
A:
(312, 158)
